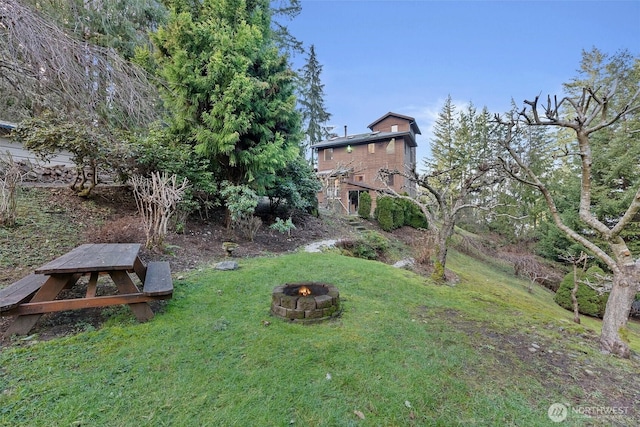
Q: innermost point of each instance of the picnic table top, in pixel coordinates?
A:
(94, 257)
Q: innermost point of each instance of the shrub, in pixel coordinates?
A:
(370, 245)
(297, 186)
(159, 152)
(590, 302)
(240, 200)
(283, 226)
(364, 206)
(384, 212)
(392, 213)
(249, 226)
(10, 178)
(423, 248)
(375, 240)
(398, 213)
(157, 199)
(413, 216)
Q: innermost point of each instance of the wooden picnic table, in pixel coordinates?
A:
(36, 294)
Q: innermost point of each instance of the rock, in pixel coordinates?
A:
(319, 246)
(589, 372)
(532, 350)
(227, 265)
(407, 262)
(536, 346)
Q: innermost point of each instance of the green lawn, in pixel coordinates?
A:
(404, 352)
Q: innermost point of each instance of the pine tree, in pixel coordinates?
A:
(616, 148)
(443, 137)
(314, 114)
(457, 173)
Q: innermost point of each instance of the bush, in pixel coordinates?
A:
(297, 186)
(370, 245)
(249, 226)
(283, 226)
(398, 213)
(589, 302)
(412, 215)
(364, 206)
(384, 212)
(158, 152)
(392, 213)
(424, 247)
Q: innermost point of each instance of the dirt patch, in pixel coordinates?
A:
(567, 367)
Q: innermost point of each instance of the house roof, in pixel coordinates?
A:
(413, 124)
(364, 138)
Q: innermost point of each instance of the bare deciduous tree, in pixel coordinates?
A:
(157, 198)
(587, 114)
(440, 205)
(575, 261)
(54, 70)
(10, 178)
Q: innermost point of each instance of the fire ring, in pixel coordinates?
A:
(308, 302)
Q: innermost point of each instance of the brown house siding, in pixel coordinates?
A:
(361, 160)
(386, 125)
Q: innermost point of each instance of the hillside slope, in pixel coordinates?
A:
(403, 352)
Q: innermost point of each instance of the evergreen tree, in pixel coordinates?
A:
(443, 138)
(285, 9)
(229, 90)
(519, 209)
(616, 149)
(120, 24)
(314, 114)
(456, 175)
(600, 117)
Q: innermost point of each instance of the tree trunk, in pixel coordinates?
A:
(614, 324)
(441, 260)
(574, 298)
(439, 273)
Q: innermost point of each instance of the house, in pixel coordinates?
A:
(348, 166)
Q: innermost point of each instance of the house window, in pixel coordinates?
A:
(328, 154)
(372, 148)
(391, 146)
(390, 180)
(359, 178)
(394, 128)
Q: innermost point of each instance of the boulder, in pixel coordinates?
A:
(227, 265)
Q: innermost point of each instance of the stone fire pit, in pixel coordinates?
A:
(308, 302)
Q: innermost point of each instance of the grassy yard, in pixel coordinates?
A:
(404, 352)
(45, 229)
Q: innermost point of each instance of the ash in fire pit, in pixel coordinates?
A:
(305, 302)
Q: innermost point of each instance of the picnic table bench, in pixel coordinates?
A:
(36, 294)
